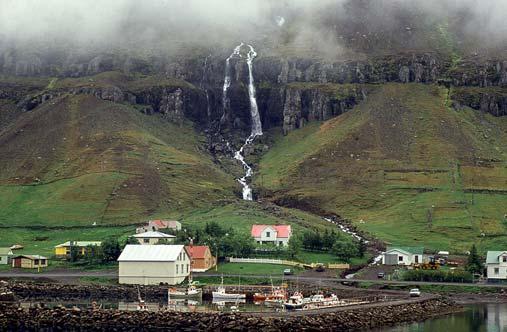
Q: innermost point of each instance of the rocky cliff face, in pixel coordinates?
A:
(289, 94)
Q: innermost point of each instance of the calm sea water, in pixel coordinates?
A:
(476, 318)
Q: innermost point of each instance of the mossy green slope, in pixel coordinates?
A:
(78, 160)
(402, 165)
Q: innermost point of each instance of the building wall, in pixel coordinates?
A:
(153, 240)
(4, 259)
(406, 259)
(285, 241)
(203, 264)
(61, 251)
(502, 271)
(153, 273)
(29, 264)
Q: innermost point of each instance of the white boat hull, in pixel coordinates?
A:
(228, 296)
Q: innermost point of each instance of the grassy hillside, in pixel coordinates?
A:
(403, 166)
(79, 160)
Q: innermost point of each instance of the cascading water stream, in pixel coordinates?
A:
(254, 112)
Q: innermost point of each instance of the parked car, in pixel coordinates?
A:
(381, 275)
(320, 268)
(288, 272)
(415, 292)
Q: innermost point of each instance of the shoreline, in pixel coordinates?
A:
(396, 310)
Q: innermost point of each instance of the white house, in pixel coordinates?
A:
(496, 264)
(153, 264)
(5, 256)
(153, 237)
(156, 225)
(275, 234)
(402, 256)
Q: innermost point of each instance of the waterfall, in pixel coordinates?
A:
(254, 112)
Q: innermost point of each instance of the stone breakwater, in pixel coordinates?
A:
(13, 318)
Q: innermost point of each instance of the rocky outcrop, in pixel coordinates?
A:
(491, 100)
(304, 103)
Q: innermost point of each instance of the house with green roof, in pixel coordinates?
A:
(402, 255)
(496, 264)
(5, 256)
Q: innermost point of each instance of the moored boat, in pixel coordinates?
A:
(221, 294)
(191, 292)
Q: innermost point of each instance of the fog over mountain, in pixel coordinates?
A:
(166, 24)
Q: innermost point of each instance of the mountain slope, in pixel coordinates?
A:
(402, 165)
(78, 159)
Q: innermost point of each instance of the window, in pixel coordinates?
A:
(187, 268)
(177, 267)
(36, 262)
(146, 240)
(504, 258)
(0, 258)
(281, 243)
(182, 271)
(42, 262)
(497, 270)
(400, 258)
(268, 234)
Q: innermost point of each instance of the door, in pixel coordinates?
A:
(17, 262)
(416, 259)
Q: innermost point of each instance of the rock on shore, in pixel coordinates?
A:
(13, 318)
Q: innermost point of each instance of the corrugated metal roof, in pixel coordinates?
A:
(492, 257)
(411, 250)
(150, 253)
(154, 235)
(283, 231)
(79, 244)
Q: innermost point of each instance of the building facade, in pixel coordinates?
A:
(496, 266)
(29, 261)
(156, 225)
(63, 250)
(153, 264)
(202, 260)
(278, 235)
(403, 256)
(5, 256)
(153, 237)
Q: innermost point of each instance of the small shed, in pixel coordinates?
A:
(403, 256)
(153, 237)
(29, 261)
(5, 256)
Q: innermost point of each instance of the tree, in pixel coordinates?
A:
(474, 263)
(74, 253)
(362, 247)
(213, 229)
(294, 247)
(111, 249)
(345, 250)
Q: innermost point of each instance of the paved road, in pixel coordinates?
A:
(69, 274)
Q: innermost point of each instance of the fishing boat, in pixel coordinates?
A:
(191, 292)
(296, 301)
(277, 296)
(221, 294)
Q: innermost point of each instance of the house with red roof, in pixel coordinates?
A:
(276, 234)
(156, 225)
(201, 258)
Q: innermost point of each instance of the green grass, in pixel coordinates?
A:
(254, 269)
(392, 159)
(42, 241)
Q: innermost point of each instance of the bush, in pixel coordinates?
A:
(438, 276)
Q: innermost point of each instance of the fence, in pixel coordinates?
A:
(284, 262)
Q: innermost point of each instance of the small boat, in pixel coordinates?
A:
(277, 296)
(221, 294)
(296, 301)
(190, 292)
